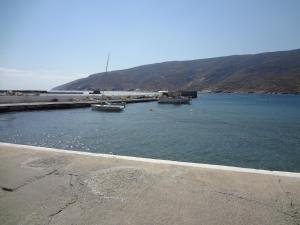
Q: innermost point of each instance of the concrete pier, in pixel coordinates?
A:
(61, 105)
(42, 106)
(52, 186)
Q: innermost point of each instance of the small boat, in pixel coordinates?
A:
(108, 107)
(173, 98)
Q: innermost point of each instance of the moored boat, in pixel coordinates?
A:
(173, 98)
(108, 107)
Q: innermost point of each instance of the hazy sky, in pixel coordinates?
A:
(46, 43)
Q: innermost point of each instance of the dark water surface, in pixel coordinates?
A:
(256, 131)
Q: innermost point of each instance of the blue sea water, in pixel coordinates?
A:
(245, 130)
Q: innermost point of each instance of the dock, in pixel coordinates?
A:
(54, 186)
(62, 105)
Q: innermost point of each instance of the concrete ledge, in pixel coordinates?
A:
(52, 186)
(157, 161)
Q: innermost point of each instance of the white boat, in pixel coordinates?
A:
(108, 107)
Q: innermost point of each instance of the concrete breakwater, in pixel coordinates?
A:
(42, 106)
(53, 186)
(62, 105)
(61, 97)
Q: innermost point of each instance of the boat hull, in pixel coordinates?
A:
(174, 101)
(106, 108)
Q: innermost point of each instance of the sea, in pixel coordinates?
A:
(259, 131)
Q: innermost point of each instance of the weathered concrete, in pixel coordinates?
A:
(46, 186)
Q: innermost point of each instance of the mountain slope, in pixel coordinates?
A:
(266, 72)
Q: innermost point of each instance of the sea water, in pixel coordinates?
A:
(245, 130)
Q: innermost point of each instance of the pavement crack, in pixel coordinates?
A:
(65, 206)
(294, 211)
(7, 189)
(29, 181)
(293, 215)
(72, 179)
(241, 197)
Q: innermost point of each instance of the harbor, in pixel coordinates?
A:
(11, 101)
(214, 129)
(150, 113)
(42, 100)
(55, 186)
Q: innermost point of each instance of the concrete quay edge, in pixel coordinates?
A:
(158, 161)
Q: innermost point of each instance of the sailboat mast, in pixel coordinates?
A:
(105, 77)
(107, 63)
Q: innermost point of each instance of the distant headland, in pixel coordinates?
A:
(271, 72)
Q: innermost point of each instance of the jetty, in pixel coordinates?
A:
(63, 105)
(53, 186)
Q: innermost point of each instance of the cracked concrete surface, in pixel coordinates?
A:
(45, 187)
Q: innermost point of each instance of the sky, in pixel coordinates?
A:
(45, 43)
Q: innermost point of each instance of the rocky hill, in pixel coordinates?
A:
(264, 72)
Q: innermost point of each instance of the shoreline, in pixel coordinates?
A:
(157, 161)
